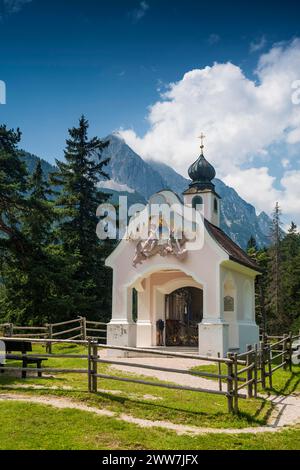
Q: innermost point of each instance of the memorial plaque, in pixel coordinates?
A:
(228, 304)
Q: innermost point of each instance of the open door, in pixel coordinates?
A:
(184, 311)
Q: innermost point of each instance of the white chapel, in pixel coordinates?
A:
(165, 294)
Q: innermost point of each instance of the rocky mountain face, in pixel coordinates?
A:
(127, 167)
(238, 218)
(139, 179)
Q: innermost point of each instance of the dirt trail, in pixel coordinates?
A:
(287, 413)
(171, 363)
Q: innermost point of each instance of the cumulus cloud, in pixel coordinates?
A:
(258, 45)
(285, 162)
(13, 6)
(241, 118)
(138, 13)
(256, 185)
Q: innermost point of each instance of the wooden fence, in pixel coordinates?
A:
(94, 358)
(238, 374)
(79, 328)
(274, 349)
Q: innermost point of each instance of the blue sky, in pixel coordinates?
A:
(111, 59)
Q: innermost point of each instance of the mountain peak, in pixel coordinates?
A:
(129, 171)
(116, 137)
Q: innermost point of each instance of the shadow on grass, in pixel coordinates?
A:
(289, 386)
(241, 415)
(6, 379)
(262, 409)
(122, 401)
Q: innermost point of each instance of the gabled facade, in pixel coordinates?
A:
(205, 297)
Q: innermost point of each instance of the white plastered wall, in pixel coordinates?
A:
(243, 329)
(156, 277)
(207, 209)
(208, 269)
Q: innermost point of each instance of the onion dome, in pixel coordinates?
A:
(201, 171)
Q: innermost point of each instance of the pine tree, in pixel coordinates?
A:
(291, 276)
(13, 184)
(27, 284)
(78, 177)
(252, 244)
(262, 259)
(277, 318)
(36, 226)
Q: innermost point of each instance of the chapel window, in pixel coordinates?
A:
(215, 205)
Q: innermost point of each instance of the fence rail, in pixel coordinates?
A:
(94, 358)
(243, 372)
(58, 330)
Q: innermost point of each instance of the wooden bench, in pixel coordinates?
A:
(24, 347)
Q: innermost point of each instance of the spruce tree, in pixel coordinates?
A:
(291, 277)
(78, 177)
(30, 285)
(276, 314)
(251, 245)
(13, 184)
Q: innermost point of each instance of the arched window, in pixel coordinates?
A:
(197, 201)
(197, 204)
(216, 205)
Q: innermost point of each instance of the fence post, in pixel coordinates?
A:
(229, 384)
(49, 336)
(10, 330)
(270, 365)
(83, 327)
(235, 384)
(89, 366)
(262, 364)
(220, 373)
(290, 351)
(255, 357)
(285, 336)
(94, 366)
(249, 371)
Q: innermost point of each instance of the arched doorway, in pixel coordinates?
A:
(184, 311)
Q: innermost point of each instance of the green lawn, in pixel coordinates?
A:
(178, 406)
(284, 382)
(30, 428)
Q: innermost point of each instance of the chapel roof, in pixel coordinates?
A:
(232, 249)
(202, 172)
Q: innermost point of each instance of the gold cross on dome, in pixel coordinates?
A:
(201, 137)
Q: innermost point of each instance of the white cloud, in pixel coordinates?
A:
(258, 45)
(213, 39)
(257, 185)
(13, 6)
(115, 186)
(138, 13)
(241, 118)
(290, 201)
(247, 182)
(285, 162)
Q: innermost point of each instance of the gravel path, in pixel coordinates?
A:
(171, 363)
(287, 413)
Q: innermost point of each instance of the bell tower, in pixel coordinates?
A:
(201, 191)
